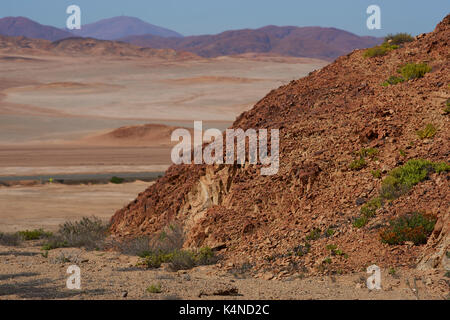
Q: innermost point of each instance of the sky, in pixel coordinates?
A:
(194, 17)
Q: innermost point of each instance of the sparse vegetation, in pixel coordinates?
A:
(329, 232)
(117, 180)
(166, 247)
(428, 132)
(10, 239)
(392, 271)
(88, 232)
(399, 181)
(376, 174)
(392, 80)
(367, 152)
(415, 227)
(154, 288)
(302, 250)
(371, 206)
(399, 38)
(34, 234)
(414, 70)
(314, 234)
(380, 50)
(357, 164)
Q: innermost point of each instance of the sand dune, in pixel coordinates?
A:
(142, 135)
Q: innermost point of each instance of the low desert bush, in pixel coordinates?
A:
(376, 174)
(415, 227)
(154, 288)
(10, 239)
(314, 234)
(399, 38)
(393, 80)
(400, 180)
(380, 50)
(428, 132)
(357, 164)
(414, 70)
(89, 233)
(34, 234)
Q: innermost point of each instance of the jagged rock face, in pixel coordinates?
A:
(323, 119)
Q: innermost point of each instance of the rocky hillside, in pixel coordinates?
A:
(341, 134)
(311, 42)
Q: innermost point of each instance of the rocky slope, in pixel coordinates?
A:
(312, 42)
(323, 119)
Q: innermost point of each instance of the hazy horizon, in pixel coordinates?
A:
(205, 17)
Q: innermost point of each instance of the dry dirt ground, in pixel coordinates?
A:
(26, 274)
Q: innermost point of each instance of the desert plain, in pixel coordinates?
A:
(59, 116)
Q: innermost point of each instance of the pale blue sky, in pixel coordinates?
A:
(192, 17)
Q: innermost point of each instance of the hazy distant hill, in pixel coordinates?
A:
(119, 27)
(21, 26)
(315, 42)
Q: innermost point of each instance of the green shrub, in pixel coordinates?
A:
(314, 234)
(376, 174)
(357, 164)
(154, 288)
(415, 227)
(380, 50)
(400, 180)
(399, 38)
(414, 70)
(367, 152)
(428, 132)
(447, 107)
(302, 250)
(34, 234)
(360, 222)
(369, 208)
(393, 80)
(329, 232)
(117, 180)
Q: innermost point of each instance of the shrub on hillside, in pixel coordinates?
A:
(428, 132)
(399, 38)
(402, 179)
(415, 227)
(380, 50)
(414, 70)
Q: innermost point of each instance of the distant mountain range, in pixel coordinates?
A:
(119, 27)
(312, 42)
(20, 26)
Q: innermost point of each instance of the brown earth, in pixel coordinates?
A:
(323, 119)
(26, 274)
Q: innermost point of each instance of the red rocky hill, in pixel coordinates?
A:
(323, 119)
